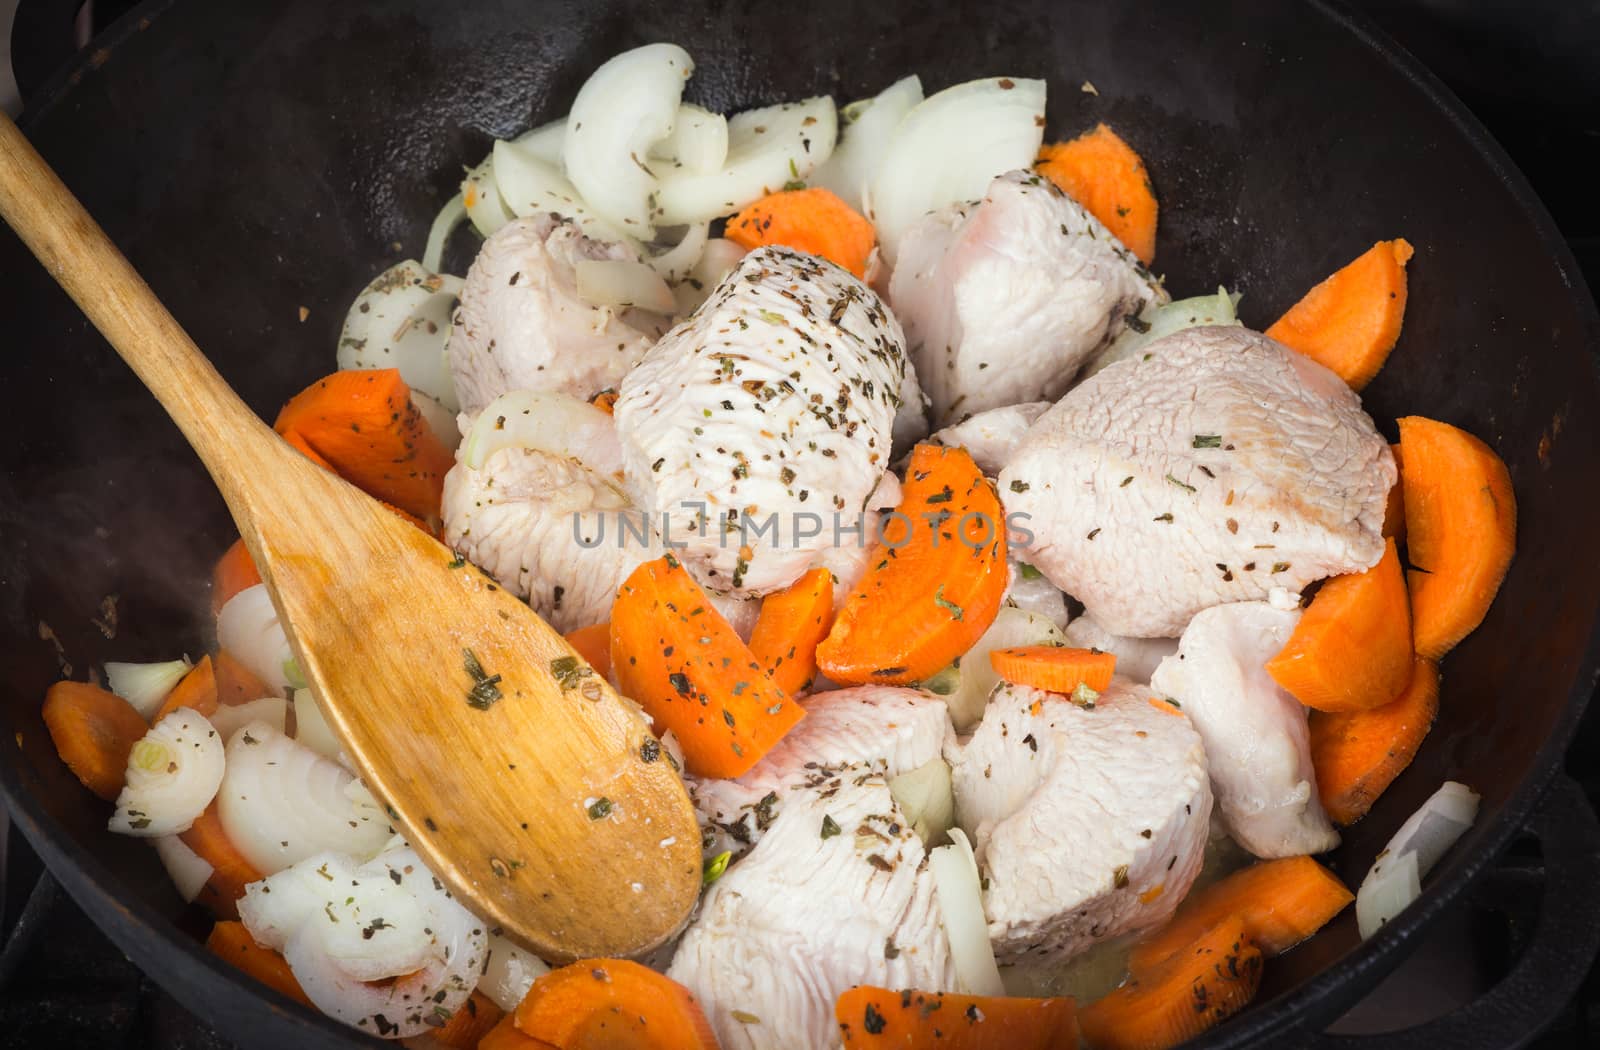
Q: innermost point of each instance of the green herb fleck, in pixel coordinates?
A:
(944, 603)
(1208, 441)
(569, 671)
(1020, 486)
(1084, 696)
(945, 495)
(1028, 572)
(830, 827)
(716, 867)
(1181, 485)
(1280, 566)
(460, 560)
(600, 809)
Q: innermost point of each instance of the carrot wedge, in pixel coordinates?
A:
(1366, 615)
(235, 572)
(1351, 321)
(468, 1024)
(932, 586)
(232, 943)
(1358, 754)
(676, 657)
(1394, 507)
(1280, 902)
(812, 220)
(878, 1017)
(792, 623)
(93, 731)
(364, 424)
(196, 690)
(1054, 668)
(507, 1036)
(1196, 987)
(1103, 173)
(613, 1003)
(1461, 530)
(593, 643)
(230, 871)
(236, 683)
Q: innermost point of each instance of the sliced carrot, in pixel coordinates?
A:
(1054, 668)
(1394, 507)
(364, 424)
(613, 1004)
(196, 690)
(791, 624)
(507, 1036)
(878, 1017)
(236, 683)
(232, 943)
(934, 582)
(235, 572)
(93, 731)
(1351, 649)
(594, 645)
(811, 220)
(1281, 902)
(676, 656)
(1351, 321)
(1103, 173)
(1358, 754)
(467, 1026)
(1200, 985)
(230, 872)
(1461, 530)
(293, 438)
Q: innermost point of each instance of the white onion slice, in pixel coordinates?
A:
(626, 106)
(545, 142)
(698, 143)
(480, 195)
(530, 186)
(1395, 879)
(960, 897)
(145, 685)
(948, 149)
(926, 799)
(622, 283)
(1154, 323)
(678, 262)
(453, 214)
(188, 870)
(1032, 591)
(1011, 626)
(717, 259)
(766, 148)
(311, 728)
(228, 719)
(173, 774)
(401, 320)
(510, 972)
(441, 420)
(548, 421)
(865, 129)
(248, 628)
(281, 802)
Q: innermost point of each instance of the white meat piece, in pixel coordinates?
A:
(1258, 746)
(884, 728)
(751, 425)
(911, 418)
(1137, 658)
(522, 326)
(991, 436)
(807, 915)
(1003, 300)
(1220, 466)
(1088, 823)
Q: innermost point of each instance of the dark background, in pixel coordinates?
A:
(1529, 69)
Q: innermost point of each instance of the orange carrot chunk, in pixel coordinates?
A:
(230, 872)
(813, 221)
(593, 643)
(468, 1024)
(364, 424)
(235, 572)
(934, 582)
(1281, 903)
(507, 1036)
(878, 1017)
(1358, 754)
(1394, 507)
(1054, 668)
(1461, 530)
(236, 683)
(93, 731)
(792, 623)
(676, 657)
(293, 438)
(1351, 649)
(613, 1004)
(1103, 173)
(605, 401)
(1198, 986)
(196, 690)
(232, 943)
(1351, 321)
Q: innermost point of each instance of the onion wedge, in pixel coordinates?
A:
(960, 897)
(189, 871)
(865, 128)
(247, 626)
(401, 320)
(173, 774)
(622, 283)
(145, 685)
(698, 143)
(1395, 879)
(549, 422)
(1154, 323)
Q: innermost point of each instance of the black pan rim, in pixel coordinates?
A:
(1305, 1009)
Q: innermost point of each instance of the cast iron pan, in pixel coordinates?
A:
(255, 158)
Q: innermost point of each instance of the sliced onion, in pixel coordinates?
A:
(401, 320)
(441, 420)
(453, 214)
(545, 142)
(626, 106)
(145, 685)
(248, 628)
(509, 973)
(960, 897)
(677, 262)
(173, 774)
(622, 283)
(948, 149)
(228, 719)
(530, 186)
(1155, 322)
(311, 729)
(1395, 879)
(480, 195)
(1033, 592)
(188, 870)
(926, 799)
(1012, 626)
(548, 421)
(864, 133)
(717, 260)
(281, 802)
(698, 143)
(766, 148)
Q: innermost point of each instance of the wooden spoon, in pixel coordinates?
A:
(545, 813)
